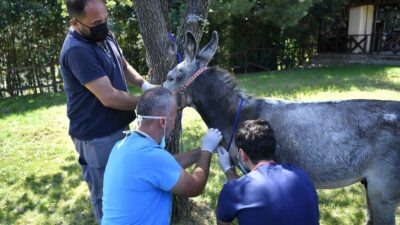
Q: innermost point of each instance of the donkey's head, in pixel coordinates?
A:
(193, 62)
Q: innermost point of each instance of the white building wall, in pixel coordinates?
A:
(361, 20)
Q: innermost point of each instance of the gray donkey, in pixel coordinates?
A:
(338, 143)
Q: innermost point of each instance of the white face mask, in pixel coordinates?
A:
(140, 119)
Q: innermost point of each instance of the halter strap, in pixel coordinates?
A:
(181, 88)
(195, 75)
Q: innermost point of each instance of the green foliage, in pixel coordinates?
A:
(32, 36)
(283, 32)
(124, 25)
(176, 11)
(40, 178)
(230, 8)
(280, 13)
(287, 30)
(32, 33)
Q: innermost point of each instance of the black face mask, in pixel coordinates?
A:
(97, 33)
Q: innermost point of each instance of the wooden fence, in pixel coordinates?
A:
(27, 80)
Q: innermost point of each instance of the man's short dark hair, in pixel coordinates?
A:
(76, 8)
(155, 102)
(257, 139)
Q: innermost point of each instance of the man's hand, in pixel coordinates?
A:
(146, 86)
(224, 159)
(211, 140)
(190, 185)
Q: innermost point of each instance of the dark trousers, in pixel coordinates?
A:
(93, 157)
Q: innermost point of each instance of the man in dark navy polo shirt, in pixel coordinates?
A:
(95, 75)
(270, 193)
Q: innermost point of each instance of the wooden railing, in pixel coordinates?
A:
(379, 43)
(26, 80)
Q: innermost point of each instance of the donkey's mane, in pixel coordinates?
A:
(228, 91)
(228, 81)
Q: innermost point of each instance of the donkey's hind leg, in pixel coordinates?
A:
(383, 198)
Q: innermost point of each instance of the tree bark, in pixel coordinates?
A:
(9, 65)
(160, 49)
(194, 20)
(53, 75)
(161, 56)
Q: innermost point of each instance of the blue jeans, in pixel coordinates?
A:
(93, 157)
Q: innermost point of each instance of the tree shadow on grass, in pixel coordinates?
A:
(25, 104)
(79, 212)
(51, 196)
(11, 210)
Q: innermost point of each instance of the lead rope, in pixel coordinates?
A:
(234, 131)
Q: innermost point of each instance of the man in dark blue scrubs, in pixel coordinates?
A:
(95, 75)
(270, 193)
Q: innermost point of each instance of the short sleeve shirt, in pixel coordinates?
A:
(275, 194)
(83, 61)
(137, 182)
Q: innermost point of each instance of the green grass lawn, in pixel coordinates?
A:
(40, 180)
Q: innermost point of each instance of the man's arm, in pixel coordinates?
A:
(190, 185)
(231, 174)
(187, 159)
(111, 97)
(131, 75)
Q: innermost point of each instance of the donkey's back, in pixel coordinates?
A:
(340, 142)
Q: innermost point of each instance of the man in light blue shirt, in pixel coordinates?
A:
(141, 175)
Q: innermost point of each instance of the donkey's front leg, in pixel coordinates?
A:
(369, 213)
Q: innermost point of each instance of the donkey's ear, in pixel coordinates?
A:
(190, 46)
(209, 50)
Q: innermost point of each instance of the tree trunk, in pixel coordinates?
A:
(161, 56)
(14, 71)
(53, 75)
(194, 20)
(8, 80)
(160, 49)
